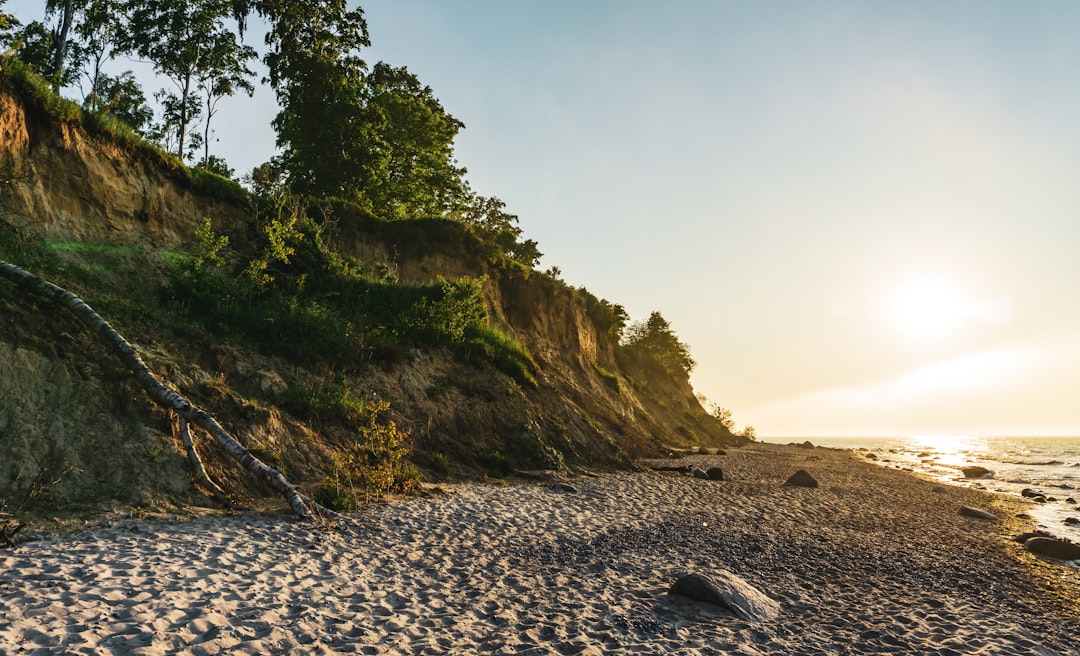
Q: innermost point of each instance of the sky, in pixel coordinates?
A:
(861, 216)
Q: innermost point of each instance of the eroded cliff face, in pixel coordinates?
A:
(66, 185)
(74, 429)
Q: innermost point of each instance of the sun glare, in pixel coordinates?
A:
(928, 308)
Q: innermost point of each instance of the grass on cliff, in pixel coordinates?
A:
(37, 93)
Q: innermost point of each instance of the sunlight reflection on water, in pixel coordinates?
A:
(950, 450)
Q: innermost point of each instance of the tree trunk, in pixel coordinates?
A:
(160, 394)
(60, 47)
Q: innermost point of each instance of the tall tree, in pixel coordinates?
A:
(99, 30)
(655, 339)
(179, 38)
(35, 45)
(122, 97)
(226, 73)
(66, 9)
(325, 126)
(8, 24)
(416, 175)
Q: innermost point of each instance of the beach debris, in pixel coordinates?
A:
(681, 469)
(564, 487)
(975, 471)
(1054, 548)
(728, 590)
(715, 473)
(698, 473)
(801, 479)
(8, 529)
(977, 513)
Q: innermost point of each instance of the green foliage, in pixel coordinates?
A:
(654, 340)
(448, 316)
(413, 174)
(189, 43)
(303, 300)
(496, 463)
(282, 235)
(7, 26)
(374, 464)
(210, 245)
(609, 318)
(610, 379)
(121, 97)
(504, 351)
(498, 230)
(39, 97)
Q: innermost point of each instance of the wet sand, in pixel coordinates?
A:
(873, 561)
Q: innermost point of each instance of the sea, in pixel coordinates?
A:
(1047, 465)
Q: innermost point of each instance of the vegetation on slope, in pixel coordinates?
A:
(291, 287)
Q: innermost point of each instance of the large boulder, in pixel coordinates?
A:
(801, 479)
(1053, 548)
(975, 471)
(715, 474)
(727, 590)
(977, 513)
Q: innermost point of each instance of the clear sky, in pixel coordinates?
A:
(862, 216)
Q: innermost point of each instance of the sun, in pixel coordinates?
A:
(928, 308)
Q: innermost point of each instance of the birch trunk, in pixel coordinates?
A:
(163, 396)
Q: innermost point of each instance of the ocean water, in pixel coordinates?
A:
(1047, 465)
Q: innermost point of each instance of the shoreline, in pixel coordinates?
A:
(872, 561)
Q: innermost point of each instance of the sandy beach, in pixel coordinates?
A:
(873, 561)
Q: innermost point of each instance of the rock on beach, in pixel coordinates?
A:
(727, 590)
(801, 479)
(1054, 548)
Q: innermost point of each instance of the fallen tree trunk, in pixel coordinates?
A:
(303, 506)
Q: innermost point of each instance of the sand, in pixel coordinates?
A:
(873, 561)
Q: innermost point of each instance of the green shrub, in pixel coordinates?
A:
(610, 379)
(373, 465)
(496, 464)
(506, 353)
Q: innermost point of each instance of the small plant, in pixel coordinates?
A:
(610, 379)
(374, 465)
(440, 464)
(210, 245)
(496, 463)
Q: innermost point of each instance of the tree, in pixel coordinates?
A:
(35, 44)
(98, 28)
(226, 72)
(326, 126)
(302, 505)
(8, 25)
(184, 40)
(655, 339)
(66, 9)
(122, 97)
(416, 174)
(488, 218)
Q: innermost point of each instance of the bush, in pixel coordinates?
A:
(374, 465)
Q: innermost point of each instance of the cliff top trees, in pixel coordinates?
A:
(190, 43)
(655, 339)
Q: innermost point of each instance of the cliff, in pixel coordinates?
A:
(105, 221)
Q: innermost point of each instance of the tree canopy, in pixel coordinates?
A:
(655, 339)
